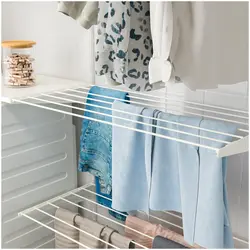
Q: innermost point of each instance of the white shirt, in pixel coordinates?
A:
(209, 43)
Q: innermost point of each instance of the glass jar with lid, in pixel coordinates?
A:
(18, 63)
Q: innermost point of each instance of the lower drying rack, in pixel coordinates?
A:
(83, 200)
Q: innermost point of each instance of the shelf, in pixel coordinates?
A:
(45, 84)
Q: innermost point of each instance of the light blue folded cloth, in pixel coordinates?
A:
(193, 180)
(175, 172)
(131, 158)
(212, 207)
(160, 174)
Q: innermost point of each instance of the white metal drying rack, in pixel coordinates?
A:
(63, 97)
(64, 197)
(48, 91)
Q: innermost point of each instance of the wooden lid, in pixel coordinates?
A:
(18, 44)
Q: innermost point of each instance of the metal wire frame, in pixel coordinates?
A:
(160, 102)
(60, 104)
(167, 98)
(62, 197)
(86, 188)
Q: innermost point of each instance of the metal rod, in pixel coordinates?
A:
(118, 223)
(77, 228)
(55, 231)
(85, 188)
(174, 215)
(187, 112)
(172, 93)
(129, 120)
(139, 115)
(105, 218)
(118, 125)
(166, 98)
(104, 197)
(45, 243)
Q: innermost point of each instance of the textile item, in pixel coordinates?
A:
(161, 242)
(103, 232)
(124, 43)
(132, 162)
(68, 217)
(165, 42)
(176, 172)
(113, 237)
(215, 216)
(85, 13)
(107, 202)
(96, 155)
(195, 168)
(91, 227)
(152, 230)
(106, 235)
(204, 42)
(182, 170)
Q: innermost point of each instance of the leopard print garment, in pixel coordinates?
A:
(123, 44)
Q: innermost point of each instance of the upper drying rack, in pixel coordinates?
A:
(58, 94)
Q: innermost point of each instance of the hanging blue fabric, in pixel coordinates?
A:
(161, 174)
(96, 141)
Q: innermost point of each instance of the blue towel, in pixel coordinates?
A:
(131, 159)
(96, 140)
(184, 178)
(212, 207)
(193, 180)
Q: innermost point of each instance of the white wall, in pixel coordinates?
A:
(63, 47)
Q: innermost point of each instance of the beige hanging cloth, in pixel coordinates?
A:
(69, 217)
(103, 232)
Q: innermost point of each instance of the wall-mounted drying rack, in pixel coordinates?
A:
(54, 94)
(84, 198)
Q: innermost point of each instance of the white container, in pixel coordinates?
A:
(18, 63)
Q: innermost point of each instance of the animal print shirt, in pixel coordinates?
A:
(124, 44)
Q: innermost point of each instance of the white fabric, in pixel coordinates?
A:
(209, 42)
(85, 13)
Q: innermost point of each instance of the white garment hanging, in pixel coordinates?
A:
(209, 43)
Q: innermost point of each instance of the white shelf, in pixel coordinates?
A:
(45, 84)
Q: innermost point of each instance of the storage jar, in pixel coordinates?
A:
(18, 63)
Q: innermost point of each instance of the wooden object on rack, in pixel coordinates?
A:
(152, 230)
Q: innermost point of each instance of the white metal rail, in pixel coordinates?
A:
(38, 208)
(65, 98)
